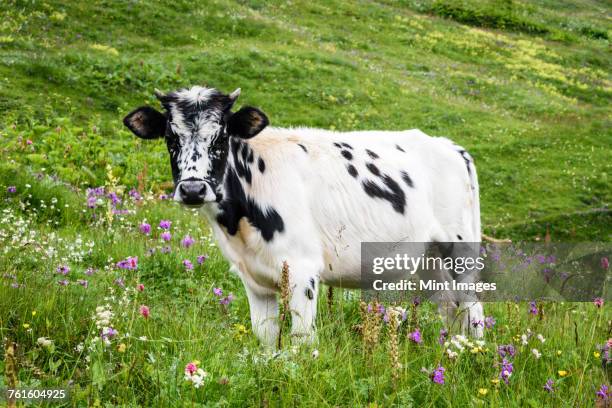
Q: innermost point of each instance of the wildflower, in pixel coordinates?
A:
(240, 330)
(415, 336)
(489, 322)
(598, 302)
(108, 333)
(45, 342)
(483, 391)
(144, 311)
(218, 292)
(533, 307)
(11, 189)
(121, 348)
(165, 224)
(541, 338)
(562, 373)
(416, 301)
(477, 323)
(187, 241)
(63, 282)
(29, 142)
(549, 386)
(495, 381)
(596, 354)
(63, 269)
(438, 375)
(605, 263)
(140, 287)
(166, 250)
(190, 368)
(559, 352)
(536, 353)
(135, 194)
(524, 340)
(34, 313)
(451, 354)
(26, 326)
(145, 228)
(506, 370)
(603, 393)
(315, 353)
(163, 196)
(506, 350)
(202, 259)
(89, 271)
(130, 263)
(227, 300)
(188, 265)
(84, 283)
(443, 336)
(120, 282)
(166, 236)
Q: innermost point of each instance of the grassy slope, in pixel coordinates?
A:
(533, 110)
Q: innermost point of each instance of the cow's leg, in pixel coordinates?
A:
(304, 285)
(264, 314)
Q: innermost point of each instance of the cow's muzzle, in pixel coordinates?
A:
(194, 192)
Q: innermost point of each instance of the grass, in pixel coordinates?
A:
(525, 86)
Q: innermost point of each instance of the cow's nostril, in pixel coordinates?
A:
(202, 191)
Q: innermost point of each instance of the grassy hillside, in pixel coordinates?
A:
(524, 86)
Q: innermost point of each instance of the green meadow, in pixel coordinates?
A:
(525, 86)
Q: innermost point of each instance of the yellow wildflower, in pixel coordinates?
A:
(121, 348)
(596, 354)
(26, 326)
(33, 312)
(483, 391)
(562, 373)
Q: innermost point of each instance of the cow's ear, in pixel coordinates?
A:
(247, 122)
(146, 123)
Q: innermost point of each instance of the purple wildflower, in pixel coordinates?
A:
(477, 323)
(108, 333)
(11, 189)
(135, 194)
(166, 236)
(202, 259)
(165, 224)
(218, 292)
(438, 375)
(443, 336)
(533, 307)
(145, 228)
(605, 263)
(63, 282)
(84, 283)
(489, 322)
(506, 350)
(380, 309)
(416, 301)
(187, 241)
(130, 263)
(166, 250)
(549, 386)
(598, 302)
(91, 202)
(114, 198)
(63, 269)
(415, 336)
(89, 271)
(188, 265)
(603, 393)
(506, 370)
(227, 300)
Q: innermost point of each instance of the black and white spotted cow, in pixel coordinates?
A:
(308, 196)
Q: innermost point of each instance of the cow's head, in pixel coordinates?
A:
(196, 124)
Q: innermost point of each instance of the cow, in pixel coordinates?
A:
(309, 197)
